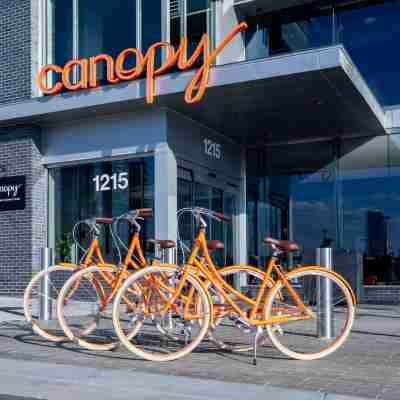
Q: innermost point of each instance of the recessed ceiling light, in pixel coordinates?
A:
(370, 20)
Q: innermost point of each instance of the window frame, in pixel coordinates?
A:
(184, 14)
(46, 32)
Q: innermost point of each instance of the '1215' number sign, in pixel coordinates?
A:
(212, 149)
(115, 181)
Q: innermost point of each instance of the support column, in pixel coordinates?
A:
(165, 193)
(240, 228)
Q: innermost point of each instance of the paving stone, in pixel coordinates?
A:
(367, 365)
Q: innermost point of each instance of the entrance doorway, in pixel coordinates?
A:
(99, 189)
(208, 191)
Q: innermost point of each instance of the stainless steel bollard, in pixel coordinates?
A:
(169, 256)
(325, 320)
(46, 258)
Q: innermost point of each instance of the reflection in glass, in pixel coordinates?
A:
(196, 27)
(192, 194)
(369, 31)
(106, 27)
(62, 50)
(293, 29)
(151, 25)
(293, 195)
(340, 193)
(79, 196)
(193, 23)
(197, 5)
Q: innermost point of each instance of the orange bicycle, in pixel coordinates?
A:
(40, 296)
(84, 302)
(287, 306)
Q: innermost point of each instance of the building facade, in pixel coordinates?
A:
(297, 135)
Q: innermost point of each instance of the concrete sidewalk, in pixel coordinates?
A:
(11, 309)
(60, 382)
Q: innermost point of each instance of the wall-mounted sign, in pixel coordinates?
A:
(116, 71)
(213, 149)
(12, 193)
(105, 182)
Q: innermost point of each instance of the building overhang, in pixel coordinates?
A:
(250, 8)
(306, 94)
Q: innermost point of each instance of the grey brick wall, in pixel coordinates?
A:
(15, 50)
(22, 233)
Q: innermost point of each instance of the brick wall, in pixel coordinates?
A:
(22, 233)
(15, 50)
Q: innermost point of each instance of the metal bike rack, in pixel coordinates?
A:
(324, 296)
(46, 258)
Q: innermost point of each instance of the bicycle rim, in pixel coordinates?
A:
(139, 307)
(83, 312)
(329, 306)
(40, 301)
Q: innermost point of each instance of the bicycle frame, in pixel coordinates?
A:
(93, 252)
(209, 271)
(114, 282)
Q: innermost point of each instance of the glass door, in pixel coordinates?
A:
(207, 195)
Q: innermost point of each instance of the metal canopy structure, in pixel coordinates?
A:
(315, 93)
(250, 8)
(306, 105)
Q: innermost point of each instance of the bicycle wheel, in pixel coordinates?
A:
(226, 331)
(329, 305)
(83, 309)
(140, 307)
(40, 300)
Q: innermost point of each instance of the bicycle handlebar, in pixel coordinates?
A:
(205, 211)
(145, 212)
(222, 217)
(104, 221)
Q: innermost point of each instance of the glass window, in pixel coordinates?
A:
(106, 27)
(88, 28)
(364, 191)
(341, 193)
(151, 23)
(370, 206)
(176, 13)
(292, 195)
(289, 30)
(191, 194)
(370, 32)
(197, 21)
(256, 38)
(197, 5)
(193, 23)
(367, 29)
(62, 49)
(104, 189)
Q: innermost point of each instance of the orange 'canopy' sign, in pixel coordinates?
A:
(117, 73)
